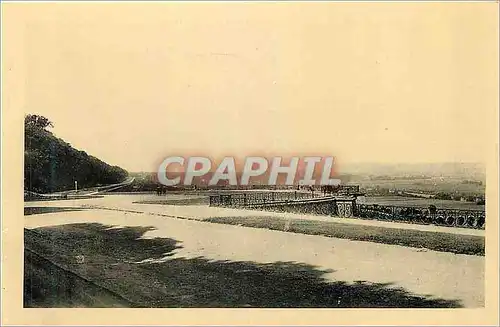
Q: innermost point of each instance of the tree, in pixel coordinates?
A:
(37, 121)
(51, 164)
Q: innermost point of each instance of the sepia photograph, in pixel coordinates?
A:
(250, 155)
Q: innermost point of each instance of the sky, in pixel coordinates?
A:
(132, 83)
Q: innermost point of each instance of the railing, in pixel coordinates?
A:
(253, 198)
(250, 198)
(419, 215)
(347, 207)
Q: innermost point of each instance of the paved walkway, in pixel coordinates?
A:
(200, 212)
(273, 268)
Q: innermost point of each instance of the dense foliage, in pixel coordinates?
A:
(51, 165)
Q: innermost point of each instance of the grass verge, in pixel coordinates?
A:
(437, 241)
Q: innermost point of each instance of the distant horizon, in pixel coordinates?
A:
(347, 163)
(385, 164)
(408, 166)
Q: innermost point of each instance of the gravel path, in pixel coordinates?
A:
(357, 273)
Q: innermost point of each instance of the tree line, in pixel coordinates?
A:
(51, 164)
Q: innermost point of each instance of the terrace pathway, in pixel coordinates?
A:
(200, 212)
(154, 261)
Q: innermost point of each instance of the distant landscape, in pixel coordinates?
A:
(450, 188)
(463, 182)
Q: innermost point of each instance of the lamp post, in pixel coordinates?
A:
(76, 186)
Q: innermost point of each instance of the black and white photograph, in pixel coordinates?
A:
(250, 155)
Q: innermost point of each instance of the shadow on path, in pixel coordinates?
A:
(113, 258)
